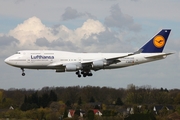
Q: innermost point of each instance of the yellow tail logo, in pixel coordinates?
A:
(159, 41)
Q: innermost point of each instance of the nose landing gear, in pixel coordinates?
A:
(23, 74)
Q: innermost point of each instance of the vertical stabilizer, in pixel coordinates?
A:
(157, 43)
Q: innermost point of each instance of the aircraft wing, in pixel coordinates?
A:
(159, 55)
(56, 64)
(115, 58)
(107, 60)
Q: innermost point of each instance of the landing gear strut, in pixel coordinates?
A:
(23, 74)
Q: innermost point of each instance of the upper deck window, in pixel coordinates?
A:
(18, 52)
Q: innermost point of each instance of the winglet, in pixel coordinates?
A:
(157, 43)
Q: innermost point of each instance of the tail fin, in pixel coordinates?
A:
(157, 43)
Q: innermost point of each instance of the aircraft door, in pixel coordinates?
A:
(79, 59)
(28, 58)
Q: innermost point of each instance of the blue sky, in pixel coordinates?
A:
(89, 26)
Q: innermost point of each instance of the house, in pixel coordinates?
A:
(130, 110)
(169, 107)
(157, 108)
(71, 113)
(11, 108)
(77, 112)
(97, 112)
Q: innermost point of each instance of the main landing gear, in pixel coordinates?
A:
(23, 74)
(84, 73)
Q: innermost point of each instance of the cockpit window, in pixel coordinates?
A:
(18, 52)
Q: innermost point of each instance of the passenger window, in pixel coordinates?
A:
(18, 53)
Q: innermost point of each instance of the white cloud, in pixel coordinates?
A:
(89, 27)
(76, 36)
(32, 29)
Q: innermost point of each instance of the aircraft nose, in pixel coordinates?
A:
(6, 60)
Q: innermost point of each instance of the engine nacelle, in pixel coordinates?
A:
(72, 67)
(99, 63)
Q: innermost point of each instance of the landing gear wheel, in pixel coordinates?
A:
(84, 75)
(23, 74)
(77, 73)
(90, 74)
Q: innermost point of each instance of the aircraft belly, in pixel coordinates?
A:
(32, 65)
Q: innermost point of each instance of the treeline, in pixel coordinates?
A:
(75, 94)
(52, 102)
(34, 101)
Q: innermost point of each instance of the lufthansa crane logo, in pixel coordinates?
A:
(159, 41)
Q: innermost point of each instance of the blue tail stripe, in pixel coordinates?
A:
(157, 43)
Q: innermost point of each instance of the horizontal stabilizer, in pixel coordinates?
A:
(159, 55)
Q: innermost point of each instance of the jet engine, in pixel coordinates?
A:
(99, 63)
(73, 67)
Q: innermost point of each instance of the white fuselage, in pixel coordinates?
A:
(47, 59)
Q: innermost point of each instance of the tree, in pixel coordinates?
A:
(92, 100)
(25, 99)
(65, 113)
(53, 96)
(35, 99)
(79, 101)
(1, 96)
(177, 99)
(68, 103)
(119, 101)
(45, 100)
(90, 115)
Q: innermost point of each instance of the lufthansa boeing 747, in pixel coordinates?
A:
(83, 63)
